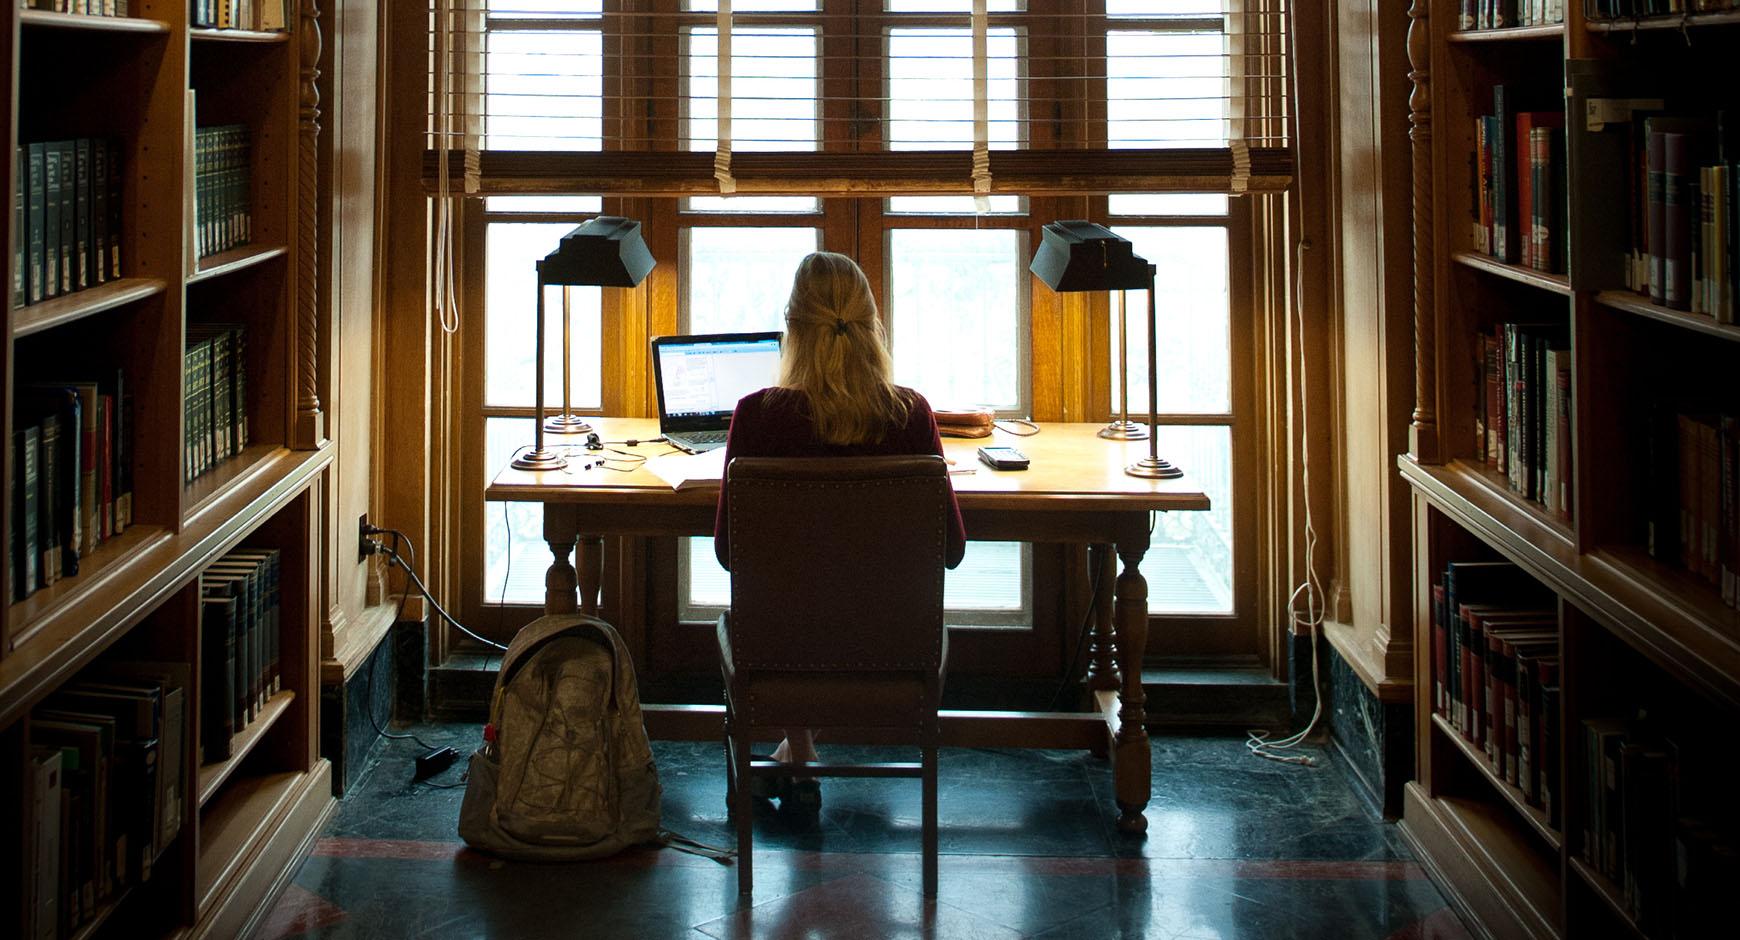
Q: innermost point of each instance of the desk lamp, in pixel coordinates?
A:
(1083, 256)
(604, 252)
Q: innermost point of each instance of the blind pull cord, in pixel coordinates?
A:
(981, 109)
(722, 147)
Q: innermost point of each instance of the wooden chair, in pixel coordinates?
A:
(836, 619)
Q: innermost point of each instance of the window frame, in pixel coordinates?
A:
(1060, 331)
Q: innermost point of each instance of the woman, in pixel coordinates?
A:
(835, 398)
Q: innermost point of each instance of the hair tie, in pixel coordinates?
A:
(839, 326)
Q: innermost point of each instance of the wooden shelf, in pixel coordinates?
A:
(236, 471)
(1637, 303)
(231, 825)
(1671, 618)
(1557, 283)
(63, 310)
(227, 262)
(1536, 818)
(1515, 889)
(201, 34)
(1670, 21)
(212, 776)
(1610, 894)
(96, 570)
(1490, 491)
(106, 24)
(1511, 34)
(70, 623)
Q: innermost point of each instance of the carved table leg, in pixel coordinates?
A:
(590, 561)
(1102, 669)
(560, 523)
(1132, 766)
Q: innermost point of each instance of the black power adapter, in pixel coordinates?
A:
(434, 761)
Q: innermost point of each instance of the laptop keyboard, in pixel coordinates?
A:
(698, 440)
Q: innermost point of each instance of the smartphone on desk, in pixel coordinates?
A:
(1003, 458)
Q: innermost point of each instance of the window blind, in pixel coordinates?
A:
(897, 97)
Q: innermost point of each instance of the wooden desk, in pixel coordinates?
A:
(1076, 492)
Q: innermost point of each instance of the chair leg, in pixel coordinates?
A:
(928, 779)
(744, 808)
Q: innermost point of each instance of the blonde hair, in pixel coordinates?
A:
(836, 353)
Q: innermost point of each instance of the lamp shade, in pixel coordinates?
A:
(1085, 256)
(605, 252)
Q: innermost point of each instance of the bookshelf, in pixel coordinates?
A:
(1642, 639)
(140, 85)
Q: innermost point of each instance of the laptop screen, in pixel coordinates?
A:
(700, 378)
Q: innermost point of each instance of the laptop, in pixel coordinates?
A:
(700, 379)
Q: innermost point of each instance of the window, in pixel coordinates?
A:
(816, 80)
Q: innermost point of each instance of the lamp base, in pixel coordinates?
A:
(540, 460)
(1124, 431)
(1153, 468)
(566, 424)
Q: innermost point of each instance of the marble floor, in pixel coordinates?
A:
(1237, 848)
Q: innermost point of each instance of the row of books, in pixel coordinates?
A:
(223, 180)
(215, 395)
(1522, 416)
(239, 635)
(84, 7)
(1517, 184)
(1685, 247)
(1632, 9)
(1675, 869)
(106, 788)
(67, 209)
(264, 15)
(1502, 14)
(1694, 477)
(1495, 673)
(72, 476)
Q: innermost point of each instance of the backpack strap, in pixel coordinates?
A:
(667, 839)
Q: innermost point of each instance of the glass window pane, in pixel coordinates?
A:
(515, 555)
(1189, 560)
(956, 315)
(510, 322)
(579, 205)
(544, 90)
(988, 587)
(930, 89)
(1167, 204)
(546, 9)
(752, 204)
(953, 205)
(1194, 311)
(953, 6)
(1166, 89)
(755, 6)
(738, 279)
(1191, 8)
(773, 88)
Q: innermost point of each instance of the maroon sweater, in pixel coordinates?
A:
(779, 426)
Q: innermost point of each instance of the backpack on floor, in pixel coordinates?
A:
(565, 771)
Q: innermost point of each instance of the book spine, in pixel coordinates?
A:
(1715, 195)
(1440, 645)
(84, 273)
(1550, 466)
(1483, 177)
(1525, 758)
(1512, 426)
(1709, 500)
(1686, 438)
(47, 511)
(1730, 512)
(1504, 182)
(1658, 221)
(1561, 494)
(28, 443)
(99, 214)
(68, 198)
(20, 230)
(1523, 226)
(1678, 211)
(36, 222)
(1548, 785)
(51, 251)
(116, 213)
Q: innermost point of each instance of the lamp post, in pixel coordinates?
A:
(606, 251)
(1077, 256)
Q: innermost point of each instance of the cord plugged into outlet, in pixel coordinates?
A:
(365, 542)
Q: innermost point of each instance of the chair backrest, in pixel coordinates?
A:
(837, 562)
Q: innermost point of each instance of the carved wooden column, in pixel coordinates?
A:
(309, 427)
(1423, 434)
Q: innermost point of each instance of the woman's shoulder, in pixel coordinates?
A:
(915, 401)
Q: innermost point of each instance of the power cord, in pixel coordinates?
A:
(1001, 425)
(369, 688)
(392, 554)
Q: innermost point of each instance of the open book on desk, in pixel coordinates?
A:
(687, 471)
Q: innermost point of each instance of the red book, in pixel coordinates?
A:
(1474, 676)
(1679, 215)
(1483, 148)
(1525, 156)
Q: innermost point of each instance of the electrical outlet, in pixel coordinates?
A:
(365, 546)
